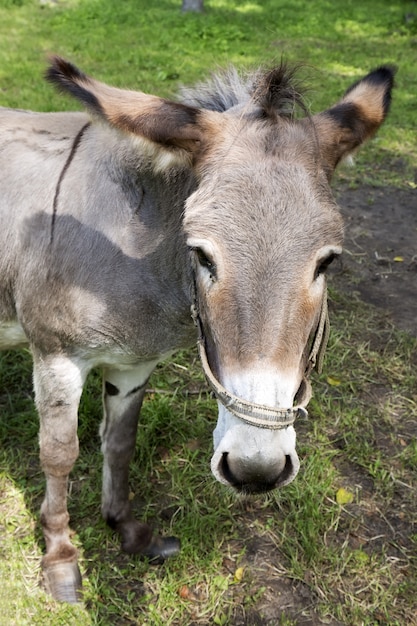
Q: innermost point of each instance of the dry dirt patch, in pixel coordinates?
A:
(380, 260)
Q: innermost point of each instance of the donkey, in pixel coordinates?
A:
(147, 225)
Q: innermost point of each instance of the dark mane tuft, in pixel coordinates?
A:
(278, 92)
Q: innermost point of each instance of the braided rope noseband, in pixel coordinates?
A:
(259, 414)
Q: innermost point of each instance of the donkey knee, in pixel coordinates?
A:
(58, 459)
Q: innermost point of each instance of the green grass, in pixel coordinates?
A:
(354, 562)
(154, 47)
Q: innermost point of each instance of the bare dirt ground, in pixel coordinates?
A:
(380, 260)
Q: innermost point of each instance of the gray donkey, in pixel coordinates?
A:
(147, 225)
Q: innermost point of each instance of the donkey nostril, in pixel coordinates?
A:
(253, 480)
(225, 470)
(288, 471)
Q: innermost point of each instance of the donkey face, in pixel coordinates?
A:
(261, 228)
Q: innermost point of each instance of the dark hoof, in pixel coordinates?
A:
(161, 548)
(63, 581)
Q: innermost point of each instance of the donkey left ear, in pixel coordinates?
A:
(170, 131)
(356, 118)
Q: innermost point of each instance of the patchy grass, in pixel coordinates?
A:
(293, 556)
(353, 562)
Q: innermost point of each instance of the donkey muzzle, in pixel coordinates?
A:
(254, 460)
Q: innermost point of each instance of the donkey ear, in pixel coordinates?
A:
(166, 124)
(356, 118)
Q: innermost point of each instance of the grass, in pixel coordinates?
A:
(264, 560)
(155, 47)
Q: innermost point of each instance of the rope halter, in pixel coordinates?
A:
(254, 414)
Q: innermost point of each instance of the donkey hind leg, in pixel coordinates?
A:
(123, 393)
(58, 383)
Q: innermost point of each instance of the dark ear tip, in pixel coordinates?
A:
(383, 74)
(391, 67)
(60, 69)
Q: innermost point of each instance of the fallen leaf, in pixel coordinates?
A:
(187, 594)
(184, 592)
(343, 496)
(398, 259)
(239, 572)
(334, 382)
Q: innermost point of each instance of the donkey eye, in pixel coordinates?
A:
(324, 264)
(205, 261)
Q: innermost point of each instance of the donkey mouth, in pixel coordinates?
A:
(252, 483)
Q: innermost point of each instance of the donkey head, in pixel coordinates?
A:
(261, 227)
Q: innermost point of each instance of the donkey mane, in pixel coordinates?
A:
(273, 92)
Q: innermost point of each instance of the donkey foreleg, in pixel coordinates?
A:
(123, 393)
(58, 383)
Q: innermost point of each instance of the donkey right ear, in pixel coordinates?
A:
(356, 118)
(161, 123)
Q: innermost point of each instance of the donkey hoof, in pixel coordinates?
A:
(161, 548)
(63, 581)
